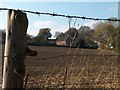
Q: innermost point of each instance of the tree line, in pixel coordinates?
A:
(103, 35)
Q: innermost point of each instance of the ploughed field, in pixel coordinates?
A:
(60, 67)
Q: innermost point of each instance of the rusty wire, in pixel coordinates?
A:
(62, 15)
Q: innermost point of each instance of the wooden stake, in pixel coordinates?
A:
(15, 50)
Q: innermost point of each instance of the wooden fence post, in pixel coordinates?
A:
(15, 50)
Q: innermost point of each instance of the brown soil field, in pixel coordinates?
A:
(60, 67)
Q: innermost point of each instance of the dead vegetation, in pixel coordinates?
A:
(54, 67)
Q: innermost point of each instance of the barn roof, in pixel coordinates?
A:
(62, 38)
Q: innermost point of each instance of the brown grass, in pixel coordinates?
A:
(86, 68)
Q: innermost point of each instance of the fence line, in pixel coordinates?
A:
(62, 15)
(66, 16)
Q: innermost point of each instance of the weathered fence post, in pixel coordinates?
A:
(15, 50)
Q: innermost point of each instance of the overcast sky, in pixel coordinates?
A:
(88, 9)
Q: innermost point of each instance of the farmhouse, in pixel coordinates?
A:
(75, 38)
(69, 38)
(63, 41)
(67, 41)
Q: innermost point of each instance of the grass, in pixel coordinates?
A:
(86, 68)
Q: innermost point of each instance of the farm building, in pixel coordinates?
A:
(52, 42)
(63, 41)
(75, 38)
(68, 39)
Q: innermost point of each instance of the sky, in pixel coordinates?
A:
(88, 9)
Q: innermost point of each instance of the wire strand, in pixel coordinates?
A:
(63, 15)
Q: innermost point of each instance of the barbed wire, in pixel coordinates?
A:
(63, 15)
